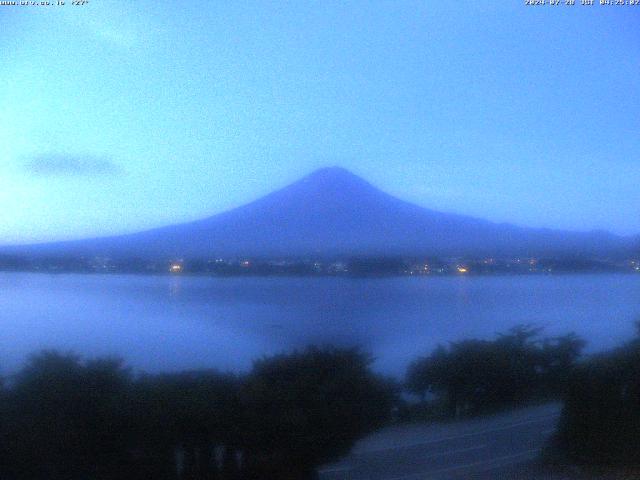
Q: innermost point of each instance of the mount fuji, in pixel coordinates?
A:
(334, 212)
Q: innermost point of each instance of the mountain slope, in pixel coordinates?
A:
(333, 212)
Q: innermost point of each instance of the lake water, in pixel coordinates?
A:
(174, 323)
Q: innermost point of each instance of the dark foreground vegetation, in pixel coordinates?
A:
(599, 429)
(479, 376)
(600, 424)
(62, 417)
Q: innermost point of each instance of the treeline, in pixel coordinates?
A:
(600, 421)
(64, 418)
(357, 266)
(600, 424)
(479, 376)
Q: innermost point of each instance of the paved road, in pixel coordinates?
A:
(496, 447)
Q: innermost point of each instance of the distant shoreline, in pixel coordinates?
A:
(344, 276)
(352, 266)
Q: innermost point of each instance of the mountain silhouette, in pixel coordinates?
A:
(334, 212)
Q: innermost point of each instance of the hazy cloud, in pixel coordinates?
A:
(65, 165)
(124, 28)
(122, 35)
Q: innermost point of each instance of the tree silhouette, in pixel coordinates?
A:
(308, 408)
(475, 376)
(65, 419)
(600, 421)
(188, 416)
(62, 417)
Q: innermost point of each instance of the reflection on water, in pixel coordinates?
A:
(172, 323)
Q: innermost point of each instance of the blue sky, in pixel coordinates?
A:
(118, 116)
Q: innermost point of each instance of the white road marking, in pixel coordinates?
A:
(456, 437)
(424, 457)
(355, 461)
(336, 470)
(451, 452)
(489, 463)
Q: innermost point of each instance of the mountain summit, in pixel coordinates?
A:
(334, 212)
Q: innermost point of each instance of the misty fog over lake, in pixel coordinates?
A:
(160, 323)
